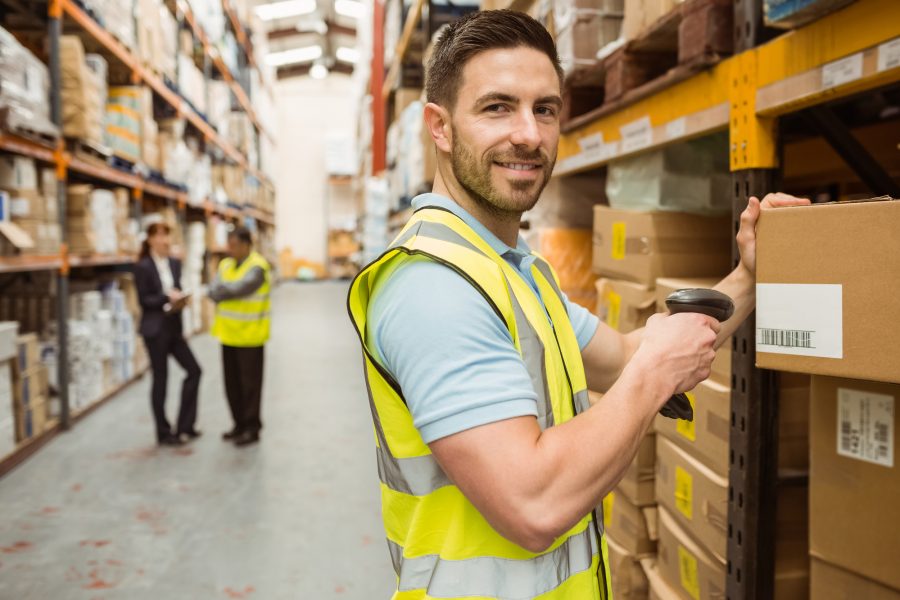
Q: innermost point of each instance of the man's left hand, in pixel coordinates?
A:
(746, 237)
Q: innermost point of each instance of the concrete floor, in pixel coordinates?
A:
(102, 513)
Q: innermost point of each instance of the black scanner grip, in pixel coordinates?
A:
(707, 302)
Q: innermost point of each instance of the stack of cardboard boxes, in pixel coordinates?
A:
(642, 14)
(583, 28)
(825, 305)
(83, 92)
(31, 196)
(157, 33)
(91, 222)
(30, 388)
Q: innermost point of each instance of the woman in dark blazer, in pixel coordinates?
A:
(158, 280)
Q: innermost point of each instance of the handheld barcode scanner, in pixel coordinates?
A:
(706, 302)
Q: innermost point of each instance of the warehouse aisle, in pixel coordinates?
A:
(101, 513)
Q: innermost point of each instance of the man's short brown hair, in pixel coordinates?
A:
(475, 33)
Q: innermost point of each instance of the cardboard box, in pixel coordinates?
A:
(31, 420)
(638, 484)
(28, 352)
(584, 36)
(623, 305)
(30, 387)
(689, 569)
(854, 477)
(642, 246)
(633, 528)
(707, 436)
(825, 278)
(628, 579)
(829, 582)
(31, 204)
(18, 173)
(695, 495)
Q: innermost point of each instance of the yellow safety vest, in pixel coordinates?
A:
(244, 322)
(441, 546)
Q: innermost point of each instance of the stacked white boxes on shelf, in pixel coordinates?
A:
(87, 349)
(8, 332)
(124, 338)
(375, 223)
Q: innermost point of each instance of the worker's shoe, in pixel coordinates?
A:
(189, 436)
(230, 435)
(171, 440)
(246, 438)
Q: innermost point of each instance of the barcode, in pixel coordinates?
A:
(846, 443)
(786, 338)
(881, 433)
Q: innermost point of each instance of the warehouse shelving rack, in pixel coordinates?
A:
(64, 163)
(843, 54)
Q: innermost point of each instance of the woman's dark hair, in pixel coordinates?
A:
(476, 33)
(152, 230)
(241, 234)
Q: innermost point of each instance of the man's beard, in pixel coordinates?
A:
(475, 179)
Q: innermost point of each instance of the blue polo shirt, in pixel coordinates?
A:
(437, 336)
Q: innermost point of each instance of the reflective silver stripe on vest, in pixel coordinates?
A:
(417, 476)
(533, 356)
(582, 401)
(502, 578)
(228, 314)
(545, 270)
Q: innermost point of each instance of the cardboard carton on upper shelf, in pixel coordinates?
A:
(584, 35)
(828, 582)
(633, 527)
(18, 173)
(83, 91)
(642, 246)
(854, 477)
(623, 305)
(641, 14)
(824, 296)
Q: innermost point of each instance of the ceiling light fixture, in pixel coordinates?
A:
(285, 9)
(318, 71)
(293, 56)
(349, 8)
(347, 55)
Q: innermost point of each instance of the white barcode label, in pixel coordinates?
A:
(842, 71)
(889, 55)
(636, 135)
(800, 319)
(592, 147)
(865, 423)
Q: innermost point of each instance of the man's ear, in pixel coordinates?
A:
(437, 120)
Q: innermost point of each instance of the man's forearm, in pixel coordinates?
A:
(740, 286)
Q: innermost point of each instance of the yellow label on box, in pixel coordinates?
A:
(614, 306)
(688, 428)
(608, 508)
(687, 569)
(684, 492)
(618, 240)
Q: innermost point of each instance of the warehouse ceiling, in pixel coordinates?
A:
(310, 37)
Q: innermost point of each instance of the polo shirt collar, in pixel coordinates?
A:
(520, 252)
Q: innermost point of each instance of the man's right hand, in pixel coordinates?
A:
(678, 350)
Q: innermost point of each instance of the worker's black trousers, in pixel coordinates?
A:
(159, 347)
(243, 385)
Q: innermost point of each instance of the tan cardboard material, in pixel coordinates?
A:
(829, 582)
(628, 579)
(689, 569)
(642, 246)
(854, 250)
(855, 477)
(707, 438)
(637, 485)
(623, 305)
(628, 524)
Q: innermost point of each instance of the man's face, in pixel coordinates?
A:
(506, 128)
(237, 249)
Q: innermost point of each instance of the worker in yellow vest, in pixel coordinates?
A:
(241, 292)
(492, 462)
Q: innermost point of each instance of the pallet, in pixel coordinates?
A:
(90, 152)
(693, 37)
(13, 122)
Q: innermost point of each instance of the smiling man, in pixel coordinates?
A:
(492, 462)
